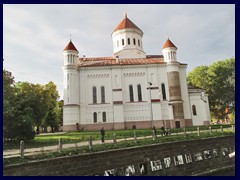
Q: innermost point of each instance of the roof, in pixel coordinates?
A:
(70, 46)
(110, 61)
(168, 44)
(125, 24)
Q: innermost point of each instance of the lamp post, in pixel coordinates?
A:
(150, 84)
(202, 96)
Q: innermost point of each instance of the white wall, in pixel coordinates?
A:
(202, 109)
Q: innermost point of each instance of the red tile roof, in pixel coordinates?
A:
(168, 43)
(126, 23)
(70, 46)
(110, 61)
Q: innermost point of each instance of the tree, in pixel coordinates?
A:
(8, 95)
(218, 80)
(17, 120)
(34, 97)
(52, 95)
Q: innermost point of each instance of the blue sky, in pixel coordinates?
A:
(35, 35)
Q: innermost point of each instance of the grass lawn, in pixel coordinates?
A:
(118, 145)
(80, 136)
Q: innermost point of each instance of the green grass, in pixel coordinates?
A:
(77, 136)
(110, 146)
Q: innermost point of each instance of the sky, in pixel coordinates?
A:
(34, 36)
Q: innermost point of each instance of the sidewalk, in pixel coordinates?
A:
(32, 151)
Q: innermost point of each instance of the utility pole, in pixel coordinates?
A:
(150, 84)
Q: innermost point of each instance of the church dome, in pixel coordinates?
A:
(127, 24)
(169, 44)
(70, 47)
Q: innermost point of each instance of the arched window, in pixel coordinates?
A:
(123, 42)
(103, 94)
(95, 117)
(194, 110)
(134, 41)
(163, 91)
(94, 95)
(131, 93)
(128, 41)
(139, 92)
(138, 42)
(104, 117)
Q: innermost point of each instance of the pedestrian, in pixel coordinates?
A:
(163, 130)
(154, 131)
(38, 131)
(102, 134)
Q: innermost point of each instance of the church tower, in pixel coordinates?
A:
(127, 40)
(170, 57)
(71, 86)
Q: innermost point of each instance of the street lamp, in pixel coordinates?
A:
(202, 96)
(150, 84)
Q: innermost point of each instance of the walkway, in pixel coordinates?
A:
(32, 151)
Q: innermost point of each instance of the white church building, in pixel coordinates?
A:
(130, 90)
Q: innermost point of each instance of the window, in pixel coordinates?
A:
(95, 117)
(128, 41)
(139, 92)
(163, 91)
(194, 110)
(94, 95)
(123, 42)
(104, 116)
(103, 94)
(134, 41)
(131, 93)
(138, 42)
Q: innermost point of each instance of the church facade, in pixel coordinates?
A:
(129, 90)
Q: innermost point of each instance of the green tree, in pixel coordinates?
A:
(199, 77)
(8, 96)
(52, 96)
(218, 80)
(35, 98)
(17, 120)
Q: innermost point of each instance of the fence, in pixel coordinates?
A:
(125, 138)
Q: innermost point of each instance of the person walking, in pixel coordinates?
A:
(154, 131)
(102, 134)
(163, 130)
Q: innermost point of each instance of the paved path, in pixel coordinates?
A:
(32, 151)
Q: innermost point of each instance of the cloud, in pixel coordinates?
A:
(35, 35)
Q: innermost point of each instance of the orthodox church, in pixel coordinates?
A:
(130, 90)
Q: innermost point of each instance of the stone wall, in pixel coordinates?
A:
(167, 159)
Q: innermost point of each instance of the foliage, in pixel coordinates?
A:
(27, 105)
(8, 99)
(17, 118)
(52, 118)
(218, 80)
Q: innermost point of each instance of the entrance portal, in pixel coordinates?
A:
(177, 124)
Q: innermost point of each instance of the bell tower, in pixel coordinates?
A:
(71, 87)
(175, 96)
